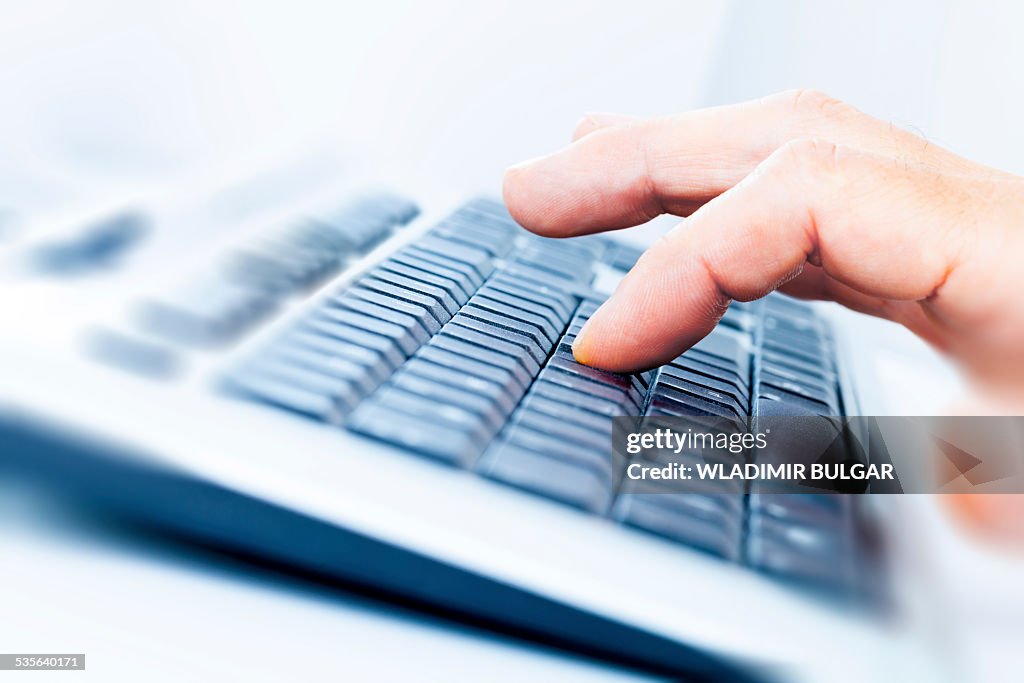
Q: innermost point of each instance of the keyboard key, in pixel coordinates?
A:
(463, 282)
(502, 336)
(550, 477)
(471, 274)
(498, 394)
(383, 346)
(569, 432)
(400, 292)
(208, 312)
(814, 554)
(399, 335)
(558, 302)
(625, 399)
(450, 342)
(376, 365)
(458, 362)
(327, 364)
(573, 397)
(460, 397)
(297, 389)
(421, 434)
(597, 423)
(478, 259)
(535, 333)
(414, 325)
(697, 520)
(406, 277)
(520, 310)
(598, 460)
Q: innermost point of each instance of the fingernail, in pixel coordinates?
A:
(579, 346)
(582, 346)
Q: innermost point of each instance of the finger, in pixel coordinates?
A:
(813, 283)
(630, 172)
(877, 227)
(592, 121)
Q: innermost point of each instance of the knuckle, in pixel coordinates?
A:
(811, 155)
(815, 103)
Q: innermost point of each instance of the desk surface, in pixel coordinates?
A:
(161, 610)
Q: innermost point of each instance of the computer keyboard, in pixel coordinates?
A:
(457, 347)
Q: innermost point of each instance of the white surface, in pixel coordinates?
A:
(142, 610)
(103, 93)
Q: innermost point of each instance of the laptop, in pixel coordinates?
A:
(346, 379)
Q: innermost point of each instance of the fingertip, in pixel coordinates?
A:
(520, 197)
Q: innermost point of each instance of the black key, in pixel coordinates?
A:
(533, 332)
(495, 392)
(496, 307)
(441, 289)
(518, 309)
(810, 554)
(467, 270)
(679, 404)
(399, 335)
(478, 259)
(684, 517)
(567, 431)
(332, 365)
(421, 434)
(727, 348)
(456, 419)
(383, 346)
(597, 423)
(448, 395)
(628, 383)
(474, 345)
(769, 380)
(558, 302)
(459, 362)
(599, 406)
(374, 362)
(473, 237)
(402, 292)
(294, 388)
(208, 312)
(465, 284)
(777, 402)
(598, 460)
(675, 373)
(778, 362)
(531, 278)
(710, 371)
(413, 325)
(667, 385)
(500, 334)
(424, 272)
(550, 477)
(626, 400)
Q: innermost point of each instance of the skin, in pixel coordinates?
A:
(797, 192)
(805, 194)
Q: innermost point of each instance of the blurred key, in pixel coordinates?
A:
(550, 477)
(502, 336)
(400, 292)
(449, 342)
(414, 325)
(398, 334)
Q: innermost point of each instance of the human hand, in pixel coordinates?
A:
(796, 192)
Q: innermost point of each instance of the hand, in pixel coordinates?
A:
(796, 192)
